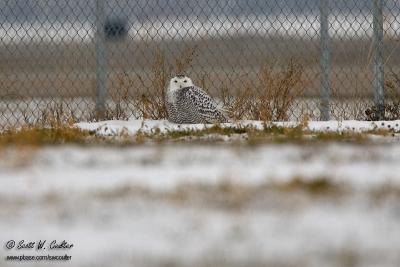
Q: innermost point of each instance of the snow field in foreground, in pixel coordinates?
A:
(181, 205)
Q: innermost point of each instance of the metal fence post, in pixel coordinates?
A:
(101, 61)
(324, 59)
(378, 66)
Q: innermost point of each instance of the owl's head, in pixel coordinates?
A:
(179, 81)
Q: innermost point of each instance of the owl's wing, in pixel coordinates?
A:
(206, 107)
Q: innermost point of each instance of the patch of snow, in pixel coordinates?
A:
(131, 127)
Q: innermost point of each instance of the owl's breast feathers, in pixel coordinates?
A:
(193, 105)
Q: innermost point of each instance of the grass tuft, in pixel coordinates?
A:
(37, 136)
(270, 97)
(392, 105)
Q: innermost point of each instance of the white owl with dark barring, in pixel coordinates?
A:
(187, 103)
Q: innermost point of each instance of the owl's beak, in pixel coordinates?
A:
(180, 86)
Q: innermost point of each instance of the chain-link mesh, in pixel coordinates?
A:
(78, 59)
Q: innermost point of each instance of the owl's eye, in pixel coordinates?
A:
(175, 81)
(185, 81)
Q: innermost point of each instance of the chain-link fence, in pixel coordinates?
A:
(270, 59)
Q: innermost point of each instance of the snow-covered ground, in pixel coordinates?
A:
(205, 205)
(132, 127)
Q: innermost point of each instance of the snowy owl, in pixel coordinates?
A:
(187, 103)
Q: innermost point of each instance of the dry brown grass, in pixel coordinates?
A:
(270, 97)
(36, 136)
(53, 115)
(393, 96)
(392, 105)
